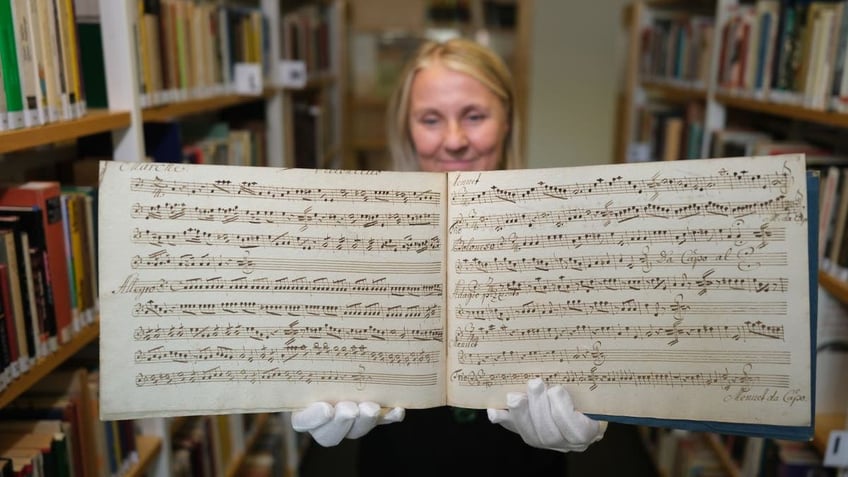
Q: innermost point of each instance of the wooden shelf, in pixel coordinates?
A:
(96, 121)
(836, 287)
(825, 423)
(169, 112)
(731, 468)
(675, 92)
(827, 118)
(47, 364)
(148, 448)
(235, 465)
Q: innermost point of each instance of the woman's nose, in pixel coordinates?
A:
(456, 138)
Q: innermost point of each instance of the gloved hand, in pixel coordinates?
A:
(330, 424)
(545, 418)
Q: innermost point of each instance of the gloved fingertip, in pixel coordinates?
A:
(602, 430)
(496, 416)
(514, 400)
(369, 409)
(347, 410)
(314, 415)
(535, 386)
(394, 415)
(560, 395)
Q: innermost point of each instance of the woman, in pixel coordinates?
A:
(454, 110)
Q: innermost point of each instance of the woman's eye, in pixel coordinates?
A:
(475, 117)
(429, 121)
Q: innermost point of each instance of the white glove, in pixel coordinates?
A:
(329, 425)
(545, 418)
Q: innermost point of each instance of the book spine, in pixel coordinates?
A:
(26, 61)
(11, 325)
(17, 300)
(5, 352)
(53, 99)
(68, 101)
(4, 122)
(10, 67)
(40, 70)
(75, 305)
(66, 23)
(72, 40)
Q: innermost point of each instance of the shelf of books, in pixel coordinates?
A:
(235, 465)
(93, 122)
(792, 111)
(773, 80)
(671, 91)
(148, 448)
(46, 365)
(169, 112)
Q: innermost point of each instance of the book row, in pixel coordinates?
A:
(48, 279)
(188, 49)
(306, 37)
(40, 70)
(54, 430)
(215, 446)
(684, 453)
(785, 51)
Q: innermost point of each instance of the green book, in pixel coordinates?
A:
(9, 63)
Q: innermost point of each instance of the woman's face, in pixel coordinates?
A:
(457, 123)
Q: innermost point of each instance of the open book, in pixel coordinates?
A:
(668, 290)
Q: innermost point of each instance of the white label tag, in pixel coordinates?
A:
(292, 74)
(248, 79)
(836, 454)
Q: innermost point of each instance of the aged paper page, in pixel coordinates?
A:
(670, 290)
(229, 289)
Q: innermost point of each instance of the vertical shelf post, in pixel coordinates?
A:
(117, 27)
(274, 103)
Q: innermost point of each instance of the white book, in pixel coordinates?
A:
(235, 289)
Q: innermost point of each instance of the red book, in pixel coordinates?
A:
(46, 196)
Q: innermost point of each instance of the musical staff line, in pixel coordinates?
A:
(218, 375)
(744, 258)
(163, 260)
(354, 354)
(351, 311)
(627, 307)
(703, 284)
(193, 236)
(226, 215)
(225, 188)
(621, 377)
(291, 331)
(515, 242)
(742, 180)
(470, 336)
(777, 209)
(598, 357)
(132, 284)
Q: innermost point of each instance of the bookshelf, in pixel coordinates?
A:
(727, 98)
(125, 119)
(92, 123)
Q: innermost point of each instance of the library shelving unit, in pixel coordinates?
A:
(313, 32)
(124, 120)
(383, 34)
(640, 87)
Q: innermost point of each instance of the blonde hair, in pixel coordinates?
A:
(463, 56)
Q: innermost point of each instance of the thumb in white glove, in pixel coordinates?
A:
(330, 424)
(545, 418)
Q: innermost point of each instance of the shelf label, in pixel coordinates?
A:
(248, 79)
(836, 454)
(292, 74)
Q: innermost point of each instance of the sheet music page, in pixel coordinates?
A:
(674, 290)
(228, 289)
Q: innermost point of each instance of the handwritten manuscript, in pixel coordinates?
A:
(673, 290)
